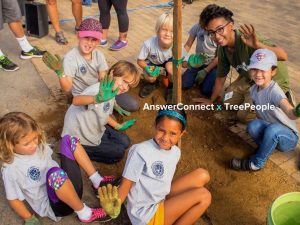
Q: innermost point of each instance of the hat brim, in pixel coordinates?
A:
(260, 66)
(88, 33)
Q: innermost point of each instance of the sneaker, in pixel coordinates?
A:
(60, 38)
(33, 53)
(108, 180)
(103, 43)
(7, 65)
(148, 88)
(98, 214)
(76, 29)
(118, 45)
(242, 164)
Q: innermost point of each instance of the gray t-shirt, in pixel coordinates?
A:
(25, 179)
(272, 94)
(152, 170)
(84, 72)
(88, 122)
(204, 43)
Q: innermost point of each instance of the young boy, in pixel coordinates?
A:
(155, 54)
(84, 65)
(274, 127)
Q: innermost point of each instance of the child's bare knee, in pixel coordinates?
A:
(202, 175)
(205, 197)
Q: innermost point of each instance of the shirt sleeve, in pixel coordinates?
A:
(101, 62)
(277, 95)
(194, 30)
(134, 165)
(12, 188)
(223, 67)
(144, 52)
(69, 68)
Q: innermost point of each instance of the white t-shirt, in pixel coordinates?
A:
(25, 179)
(84, 72)
(151, 169)
(88, 122)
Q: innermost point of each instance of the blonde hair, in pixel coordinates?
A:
(164, 19)
(122, 68)
(13, 127)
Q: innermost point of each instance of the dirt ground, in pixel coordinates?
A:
(239, 198)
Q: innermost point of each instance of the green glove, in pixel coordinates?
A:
(152, 71)
(200, 76)
(196, 61)
(54, 63)
(297, 110)
(110, 201)
(106, 91)
(33, 221)
(125, 125)
(121, 111)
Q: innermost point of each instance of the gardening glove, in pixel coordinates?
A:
(152, 71)
(196, 60)
(54, 63)
(109, 200)
(297, 110)
(106, 91)
(125, 125)
(200, 76)
(33, 221)
(121, 111)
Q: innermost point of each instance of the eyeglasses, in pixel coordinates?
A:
(219, 30)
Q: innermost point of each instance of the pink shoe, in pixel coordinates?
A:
(98, 214)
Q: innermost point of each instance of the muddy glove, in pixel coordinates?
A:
(152, 71)
(125, 125)
(201, 76)
(106, 91)
(33, 221)
(196, 60)
(121, 111)
(297, 110)
(54, 63)
(109, 200)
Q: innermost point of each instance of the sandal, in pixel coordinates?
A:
(241, 164)
(60, 38)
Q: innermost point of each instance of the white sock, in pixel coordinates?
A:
(24, 44)
(1, 53)
(85, 213)
(253, 167)
(124, 41)
(96, 179)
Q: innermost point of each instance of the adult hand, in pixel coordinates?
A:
(54, 63)
(200, 76)
(125, 125)
(152, 71)
(106, 91)
(297, 110)
(109, 200)
(196, 60)
(203, 101)
(249, 36)
(121, 111)
(33, 221)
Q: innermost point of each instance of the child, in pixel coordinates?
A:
(152, 196)
(102, 143)
(274, 128)
(206, 74)
(29, 173)
(155, 54)
(84, 65)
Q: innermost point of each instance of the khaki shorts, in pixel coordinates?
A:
(9, 12)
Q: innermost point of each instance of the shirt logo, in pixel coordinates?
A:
(82, 69)
(243, 66)
(153, 56)
(158, 169)
(34, 173)
(260, 56)
(106, 107)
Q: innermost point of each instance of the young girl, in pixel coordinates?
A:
(205, 75)
(84, 65)
(152, 195)
(275, 127)
(88, 117)
(156, 53)
(30, 174)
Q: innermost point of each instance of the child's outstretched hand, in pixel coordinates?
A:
(54, 63)
(125, 125)
(33, 221)
(106, 91)
(152, 71)
(297, 110)
(109, 200)
(196, 60)
(121, 111)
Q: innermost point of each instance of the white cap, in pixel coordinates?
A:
(263, 59)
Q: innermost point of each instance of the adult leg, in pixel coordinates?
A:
(77, 11)
(188, 199)
(188, 78)
(127, 102)
(208, 83)
(104, 8)
(120, 7)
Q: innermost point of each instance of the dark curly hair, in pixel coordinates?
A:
(213, 11)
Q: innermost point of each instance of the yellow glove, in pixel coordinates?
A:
(109, 200)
